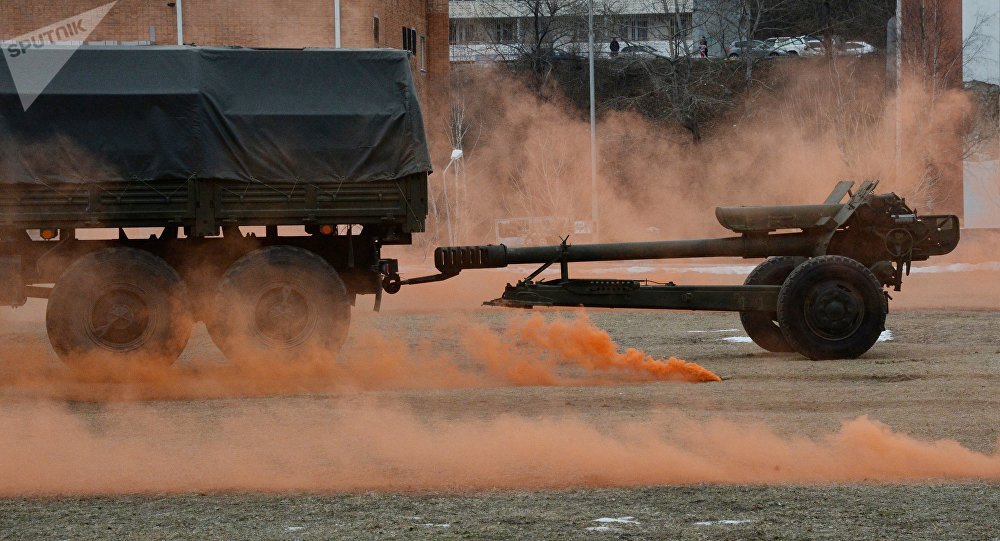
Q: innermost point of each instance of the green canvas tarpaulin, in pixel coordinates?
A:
(256, 115)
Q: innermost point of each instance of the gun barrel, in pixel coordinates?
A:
(452, 259)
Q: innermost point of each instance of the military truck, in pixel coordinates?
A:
(270, 180)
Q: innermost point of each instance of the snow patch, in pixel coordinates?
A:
(886, 336)
(722, 522)
(601, 529)
(294, 528)
(432, 525)
(737, 339)
(619, 520)
(958, 267)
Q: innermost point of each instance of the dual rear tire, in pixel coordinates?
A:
(280, 304)
(119, 305)
(128, 306)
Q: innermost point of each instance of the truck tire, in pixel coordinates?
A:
(119, 305)
(280, 304)
(762, 327)
(832, 307)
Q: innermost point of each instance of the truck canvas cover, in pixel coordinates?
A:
(254, 115)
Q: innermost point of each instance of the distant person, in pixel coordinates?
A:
(615, 47)
(703, 48)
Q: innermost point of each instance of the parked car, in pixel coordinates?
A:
(559, 54)
(640, 51)
(757, 49)
(857, 48)
(790, 46)
(840, 48)
(814, 47)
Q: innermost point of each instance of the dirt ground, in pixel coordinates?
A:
(936, 379)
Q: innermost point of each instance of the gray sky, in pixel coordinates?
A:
(985, 65)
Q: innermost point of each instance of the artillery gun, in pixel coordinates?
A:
(819, 292)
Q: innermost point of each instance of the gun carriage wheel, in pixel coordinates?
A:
(280, 303)
(762, 327)
(832, 307)
(119, 305)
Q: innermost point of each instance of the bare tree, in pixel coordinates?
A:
(674, 83)
(529, 30)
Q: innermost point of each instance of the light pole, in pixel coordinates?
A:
(455, 155)
(593, 123)
(179, 6)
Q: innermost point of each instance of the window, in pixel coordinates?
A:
(634, 28)
(375, 30)
(503, 30)
(423, 52)
(461, 31)
(640, 28)
(680, 25)
(410, 40)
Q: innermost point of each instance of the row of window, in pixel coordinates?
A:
(410, 42)
(657, 27)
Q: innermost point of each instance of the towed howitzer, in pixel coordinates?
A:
(819, 292)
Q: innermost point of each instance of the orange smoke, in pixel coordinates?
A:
(591, 347)
(311, 446)
(531, 352)
(831, 119)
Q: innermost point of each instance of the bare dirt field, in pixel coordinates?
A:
(440, 422)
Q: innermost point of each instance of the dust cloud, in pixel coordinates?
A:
(51, 449)
(815, 124)
(531, 351)
(528, 161)
(592, 348)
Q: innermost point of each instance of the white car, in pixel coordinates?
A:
(814, 47)
(856, 48)
(790, 46)
(847, 48)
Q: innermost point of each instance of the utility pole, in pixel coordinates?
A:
(179, 6)
(593, 127)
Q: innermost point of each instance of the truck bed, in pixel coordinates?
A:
(204, 206)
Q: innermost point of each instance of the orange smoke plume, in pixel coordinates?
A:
(591, 347)
(531, 352)
(354, 445)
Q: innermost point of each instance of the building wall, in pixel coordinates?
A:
(130, 20)
(438, 60)
(259, 23)
(253, 23)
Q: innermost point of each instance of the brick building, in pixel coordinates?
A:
(418, 25)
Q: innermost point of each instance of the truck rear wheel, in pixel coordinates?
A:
(762, 327)
(280, 303)
(119, 305)
(832, 307)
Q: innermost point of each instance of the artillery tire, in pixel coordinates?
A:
(762, 327)
(119, 305)
(832, 307)
(280, 304)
